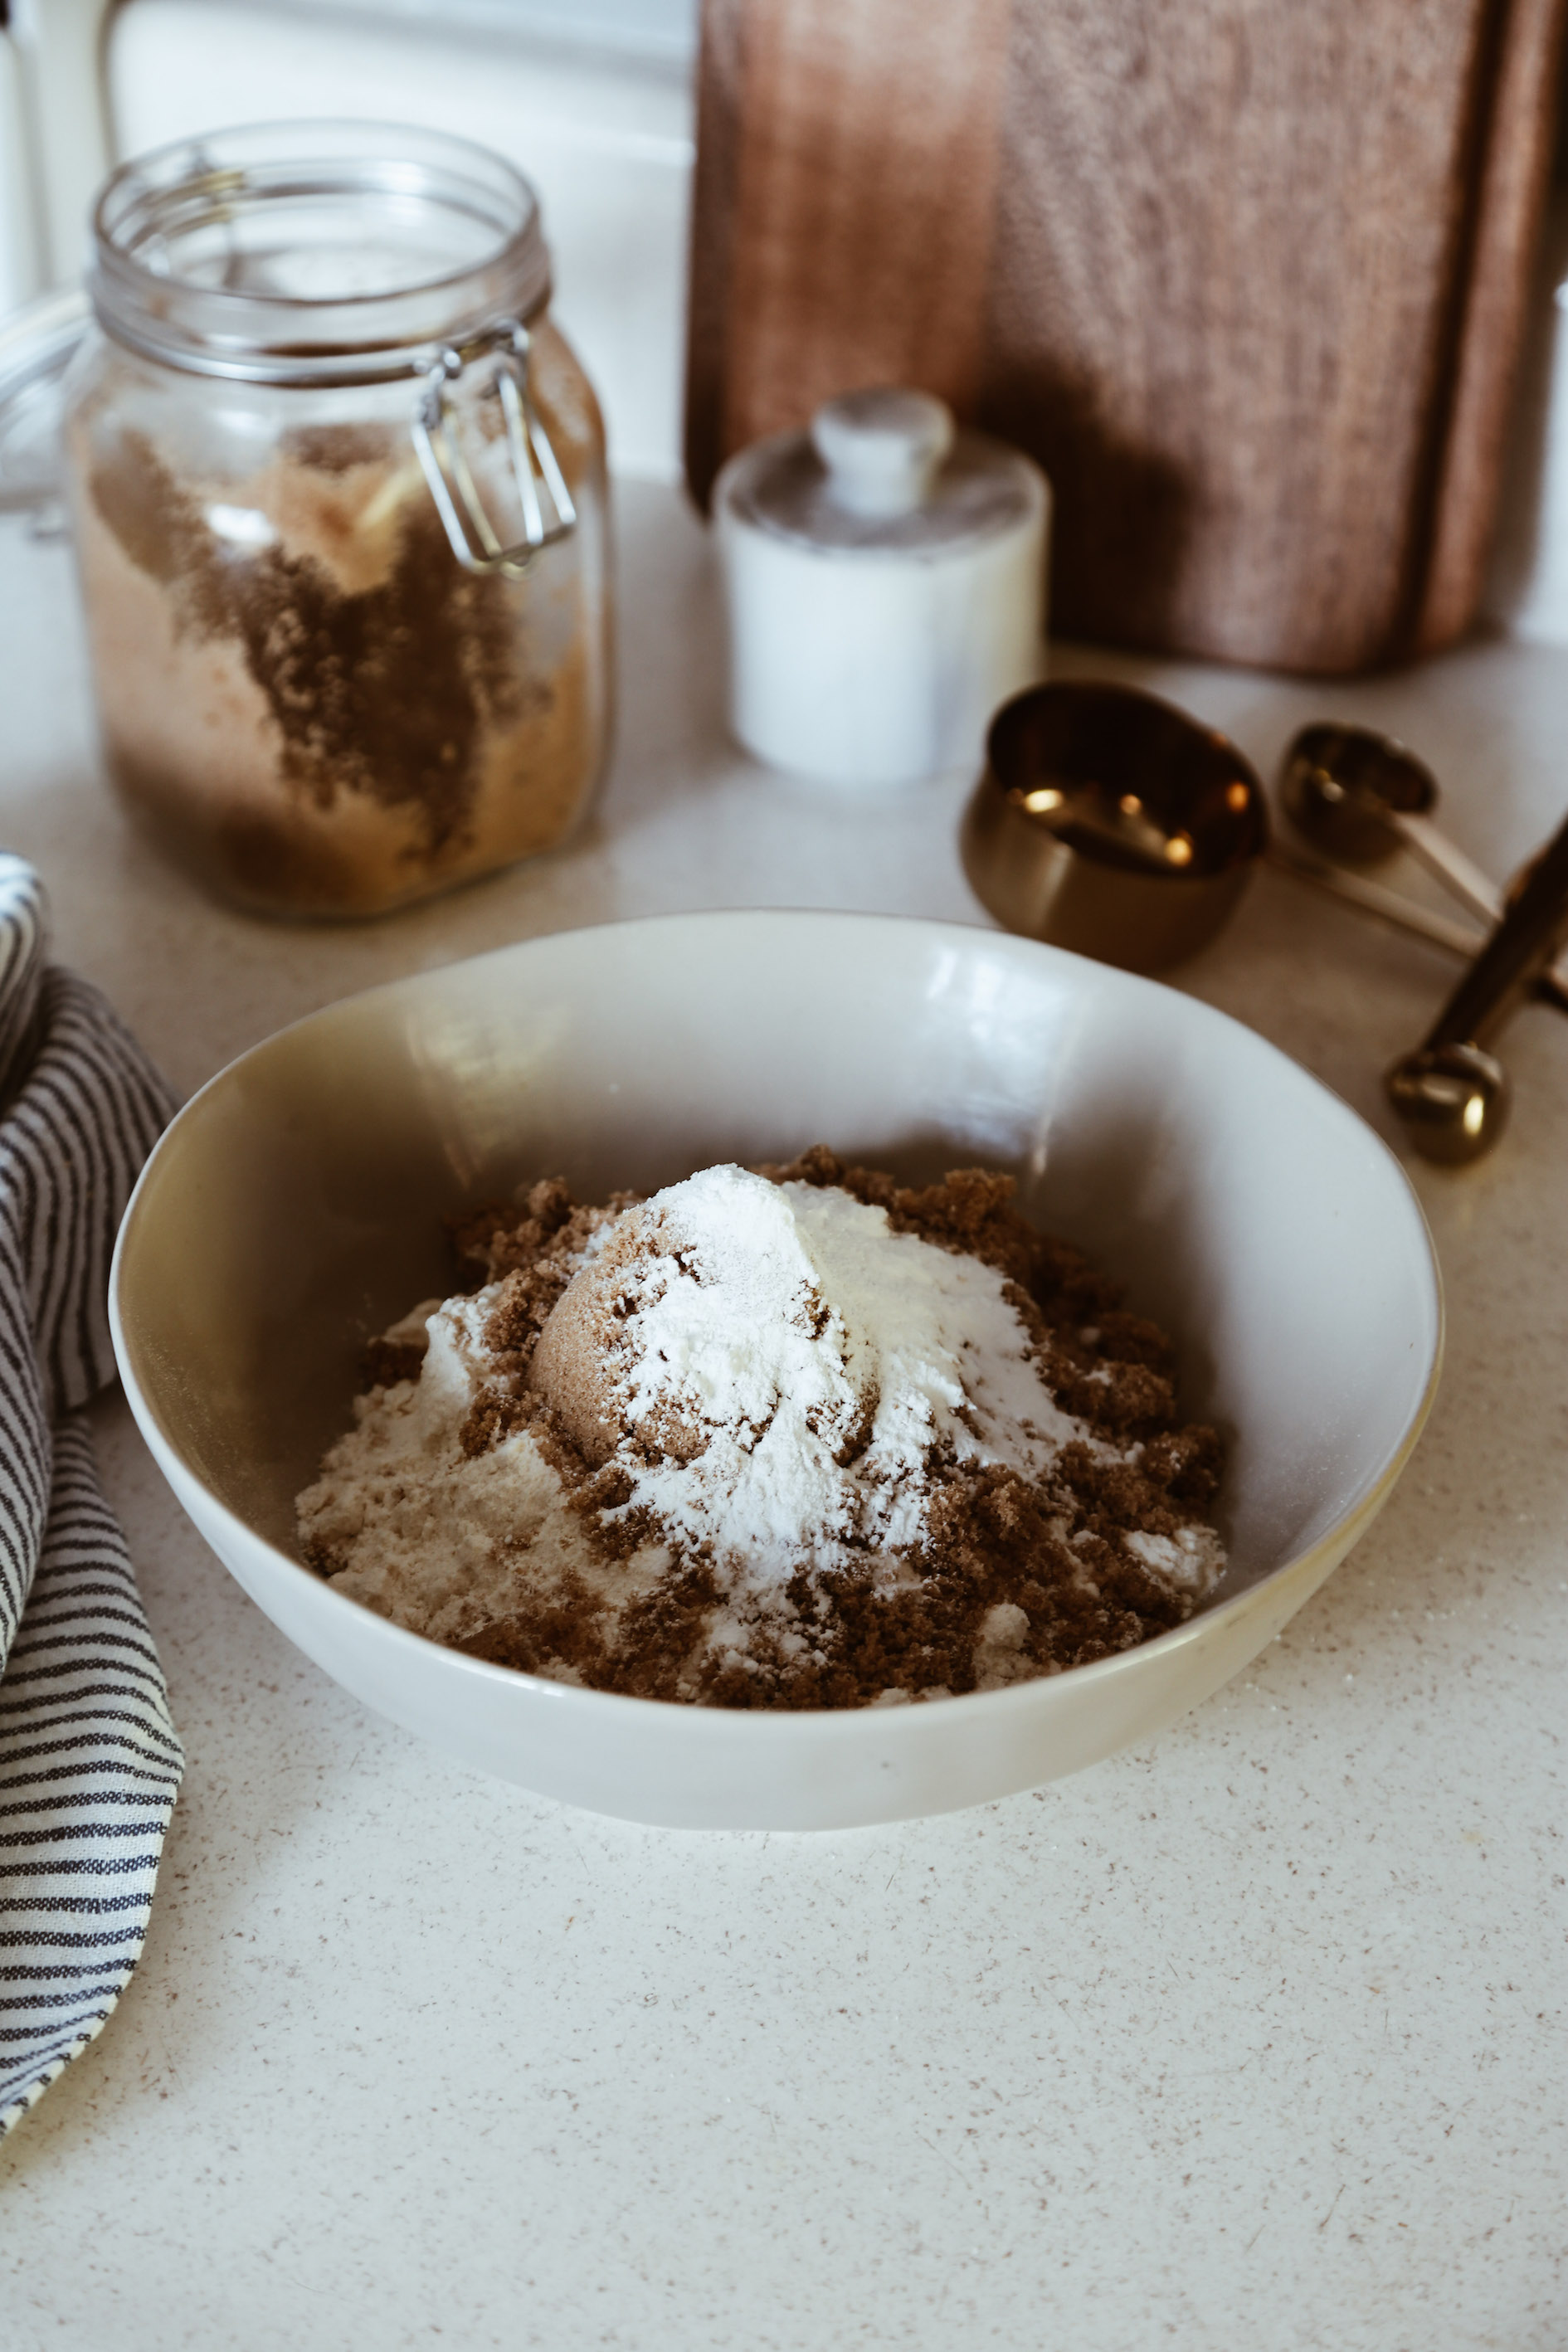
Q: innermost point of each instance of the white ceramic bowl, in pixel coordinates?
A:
(295, 1206)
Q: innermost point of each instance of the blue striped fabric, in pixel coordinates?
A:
(89, 1761)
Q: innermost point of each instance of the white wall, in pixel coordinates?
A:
(21, 257)
(592, 98)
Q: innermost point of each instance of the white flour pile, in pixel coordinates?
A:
(750, 1442)
(772, 1369)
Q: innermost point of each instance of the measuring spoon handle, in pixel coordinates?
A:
(1523, 943)
(1446, 860)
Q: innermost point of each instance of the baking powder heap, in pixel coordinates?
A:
(773, 1367)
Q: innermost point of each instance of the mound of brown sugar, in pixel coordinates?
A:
(1012, 1576)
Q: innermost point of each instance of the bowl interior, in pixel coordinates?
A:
(296, 1204)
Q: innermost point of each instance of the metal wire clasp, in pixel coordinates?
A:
(470, 530)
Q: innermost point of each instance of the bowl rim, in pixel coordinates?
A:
(780, 1726)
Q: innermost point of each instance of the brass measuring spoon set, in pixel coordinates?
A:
(1112, 822)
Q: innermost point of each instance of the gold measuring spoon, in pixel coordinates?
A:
(1359, 796)
(1451, 1093)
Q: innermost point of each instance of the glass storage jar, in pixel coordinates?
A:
(339, 503)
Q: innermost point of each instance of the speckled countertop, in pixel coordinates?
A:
(1254, 2037)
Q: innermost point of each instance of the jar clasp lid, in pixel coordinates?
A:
(472, 535)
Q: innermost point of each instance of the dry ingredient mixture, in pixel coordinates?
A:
(307, 693)
(796, 1437)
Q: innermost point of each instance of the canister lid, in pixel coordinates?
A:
(883, 472)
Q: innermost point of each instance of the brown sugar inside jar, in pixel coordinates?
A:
(339, 501)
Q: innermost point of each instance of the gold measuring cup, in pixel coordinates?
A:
(1112, 822)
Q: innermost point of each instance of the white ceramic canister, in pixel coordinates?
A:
(884, 580)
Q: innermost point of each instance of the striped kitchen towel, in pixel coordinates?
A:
(89, 1761)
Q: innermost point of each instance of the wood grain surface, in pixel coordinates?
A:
(1247, 276)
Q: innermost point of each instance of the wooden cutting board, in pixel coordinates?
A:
(1247, 277)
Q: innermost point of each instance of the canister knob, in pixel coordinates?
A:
(883, 450)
